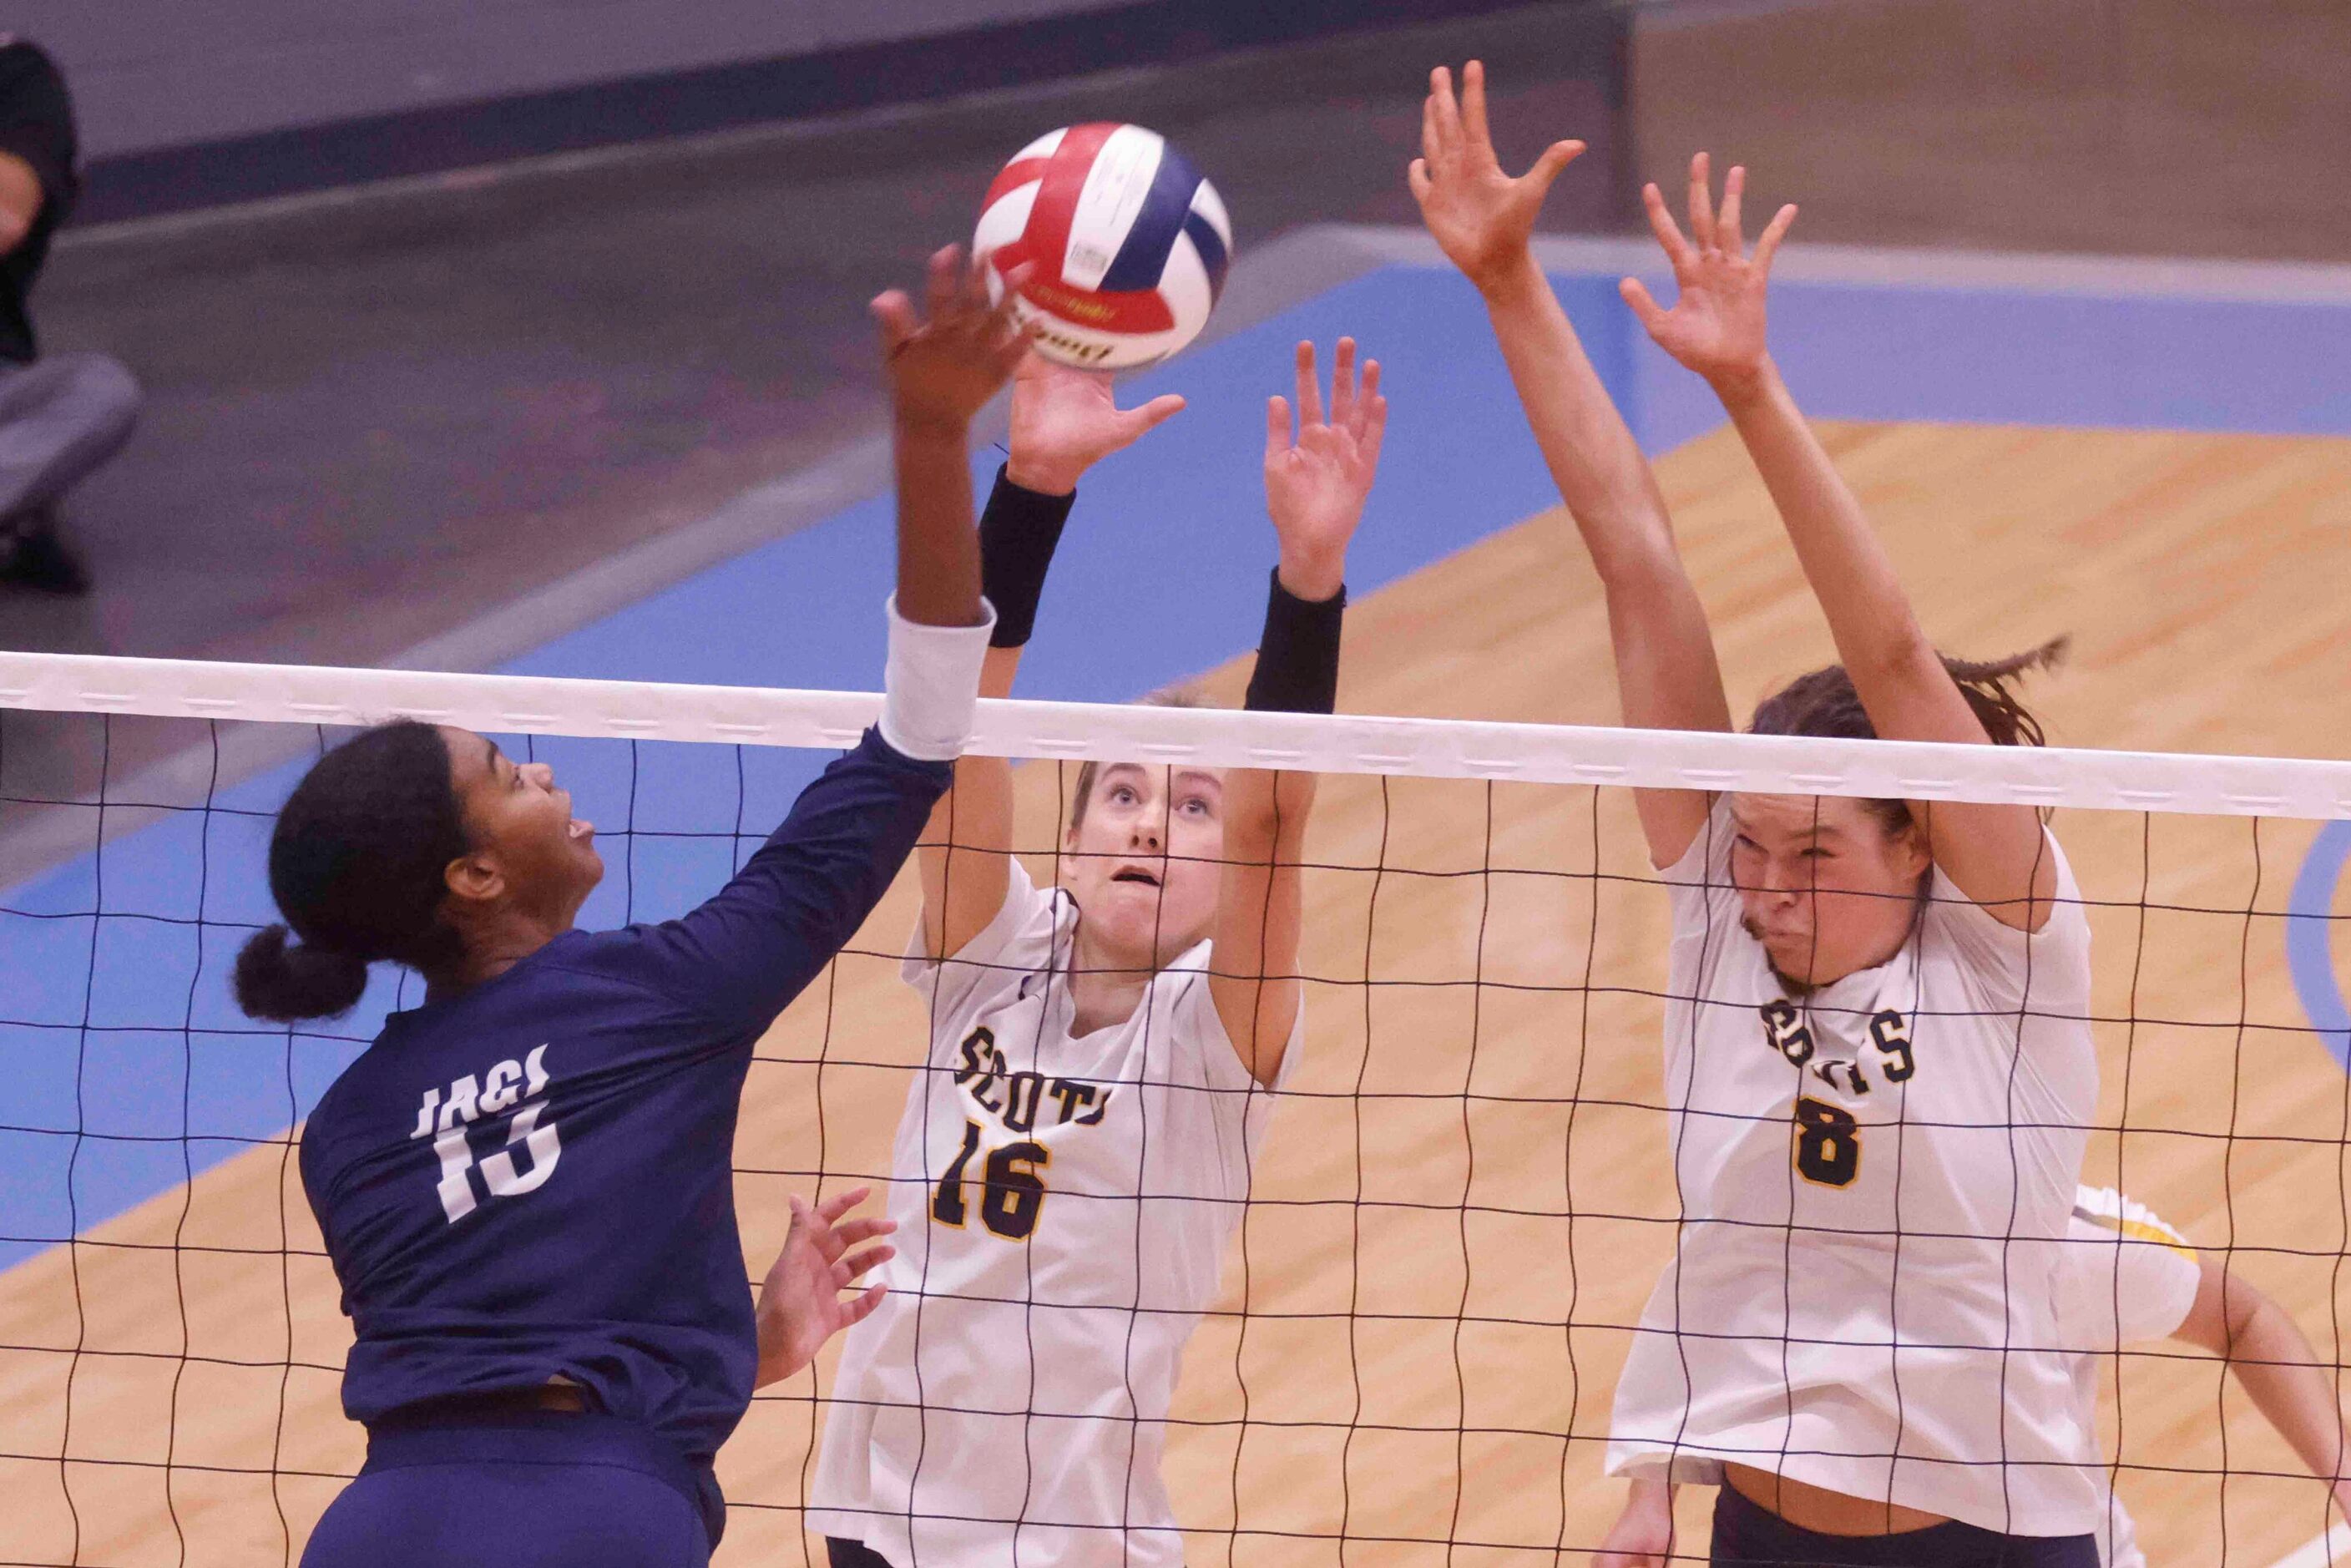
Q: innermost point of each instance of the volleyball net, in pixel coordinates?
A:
(1460, 1207)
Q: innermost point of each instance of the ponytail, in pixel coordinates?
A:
(283, 983)
(1824, 703)
(1989, 687)
(358, 863)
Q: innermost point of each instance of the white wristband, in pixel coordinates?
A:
(931, 685)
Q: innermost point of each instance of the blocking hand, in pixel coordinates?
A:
(1715, 327)
(1481, 218)
(1065, 421)
(943, 370)
(1316, 482)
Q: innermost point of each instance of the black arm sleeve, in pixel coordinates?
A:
(1017, 534)
(1298, 653)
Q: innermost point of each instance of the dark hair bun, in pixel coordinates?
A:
(285, 983)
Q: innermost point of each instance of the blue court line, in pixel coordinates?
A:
(168, 1078)
(2309, 939)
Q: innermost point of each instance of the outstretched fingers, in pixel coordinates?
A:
(895, 314)
(1475, 131)
(1637, 294)
(1310, 392)
(1555, 158)
(857, 1309)
(855, 1232)
(833, 1208)
(1701, 203)
(1372, 416)
(1139, 422)
(1773, 233)
(943, 282)
(1277, 429)
(1661, 224)
(1726, 225)
(857, 1265)
(1343, 384)
(1443, 114)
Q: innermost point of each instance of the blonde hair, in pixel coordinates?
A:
(1183, 696)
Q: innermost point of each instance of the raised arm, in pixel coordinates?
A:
(942, 371)
(1995, 855)
(2291, 1385)
(747, 951)
(1315, 486)
(1667, 677)
(1063, 421)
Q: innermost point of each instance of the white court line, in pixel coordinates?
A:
(2329, 1548)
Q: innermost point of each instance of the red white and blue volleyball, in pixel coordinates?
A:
(1130, 244)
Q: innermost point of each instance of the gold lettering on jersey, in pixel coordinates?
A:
(1826, 1146)
(1017, 1100)
(1786, 1032)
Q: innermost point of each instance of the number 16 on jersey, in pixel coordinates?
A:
(1011, 1193)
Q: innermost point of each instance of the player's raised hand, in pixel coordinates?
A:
(800, 1303)
(1064, 421)
(1716, 326)
(945, 368)
(1481, 218)
(1317, 479)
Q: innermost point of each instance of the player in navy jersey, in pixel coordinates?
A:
(524, 1183)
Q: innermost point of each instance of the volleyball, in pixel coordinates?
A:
(1130, 244)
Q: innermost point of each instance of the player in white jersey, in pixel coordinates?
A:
(1075, 1157)
(2128, 1279)
(1879, 1063)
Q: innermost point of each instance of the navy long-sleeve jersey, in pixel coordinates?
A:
(533, 1178)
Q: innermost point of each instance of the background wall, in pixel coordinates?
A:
(204, 104)
(2205, 128)
(158, 73)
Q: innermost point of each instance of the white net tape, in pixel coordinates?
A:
(1433, 749)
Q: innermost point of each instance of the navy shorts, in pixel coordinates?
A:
(842, 1553)
(531, 1489)
(1748, 1535)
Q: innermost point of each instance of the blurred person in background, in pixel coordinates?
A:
(61, 415)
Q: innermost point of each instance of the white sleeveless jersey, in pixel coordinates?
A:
(1875, 1180)
(2128, 1278)
(1063, 1205)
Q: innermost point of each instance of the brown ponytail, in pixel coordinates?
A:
(1824, 703)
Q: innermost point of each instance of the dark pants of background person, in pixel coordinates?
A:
(526, 1489)
(60, 418)
(1747, 1535)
